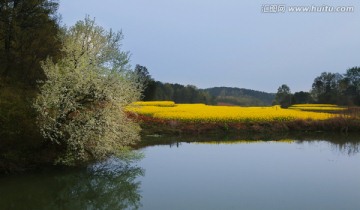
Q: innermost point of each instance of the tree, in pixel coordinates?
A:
(325, 88)
(143, 74)
(28, 34)
(301, 98)
(81, 105)
(283, 96)
(351, 85)
(147, 82)
(353, 74)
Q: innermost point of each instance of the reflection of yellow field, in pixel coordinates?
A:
(288, 141)
(205, 113)
(317, 107)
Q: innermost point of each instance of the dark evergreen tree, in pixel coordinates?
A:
(147, 81)
(28, 35)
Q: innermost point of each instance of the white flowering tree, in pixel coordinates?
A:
(81, 103)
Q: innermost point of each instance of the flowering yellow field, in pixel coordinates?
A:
(317, 107)
(206, 113)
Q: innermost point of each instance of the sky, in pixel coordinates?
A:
(232, 43)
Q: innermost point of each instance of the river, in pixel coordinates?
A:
(212, 173)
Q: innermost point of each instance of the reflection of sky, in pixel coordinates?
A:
(267, 175)
(229, 43)
(207, 175)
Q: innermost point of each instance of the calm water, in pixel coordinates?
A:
(287, 174)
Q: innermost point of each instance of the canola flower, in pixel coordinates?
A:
(207, 113)
(317, 107)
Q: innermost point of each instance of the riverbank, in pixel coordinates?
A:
(166, 132)
(151, 126)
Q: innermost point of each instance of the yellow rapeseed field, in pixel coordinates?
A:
(317, 107)
(206, 113)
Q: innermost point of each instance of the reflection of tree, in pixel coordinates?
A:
(350, 148)
(110, 185)
(348, 144)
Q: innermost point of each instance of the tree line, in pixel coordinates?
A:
(328, 88)
(240, 96)
(159, 91)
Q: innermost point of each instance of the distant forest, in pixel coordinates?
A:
(240, 96)
(158, 91)
(328, 88)
(213, 96)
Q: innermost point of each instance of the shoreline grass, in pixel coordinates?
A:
(151, 125)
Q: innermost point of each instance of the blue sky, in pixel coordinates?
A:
(230, 43)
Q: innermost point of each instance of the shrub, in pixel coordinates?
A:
(81, 103)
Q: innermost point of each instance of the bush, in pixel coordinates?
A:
(81, 103)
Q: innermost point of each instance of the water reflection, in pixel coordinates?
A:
(345, 144)
(318, 171)
(344, 147)
(351, 148)
(109, 185)
(282, 168)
